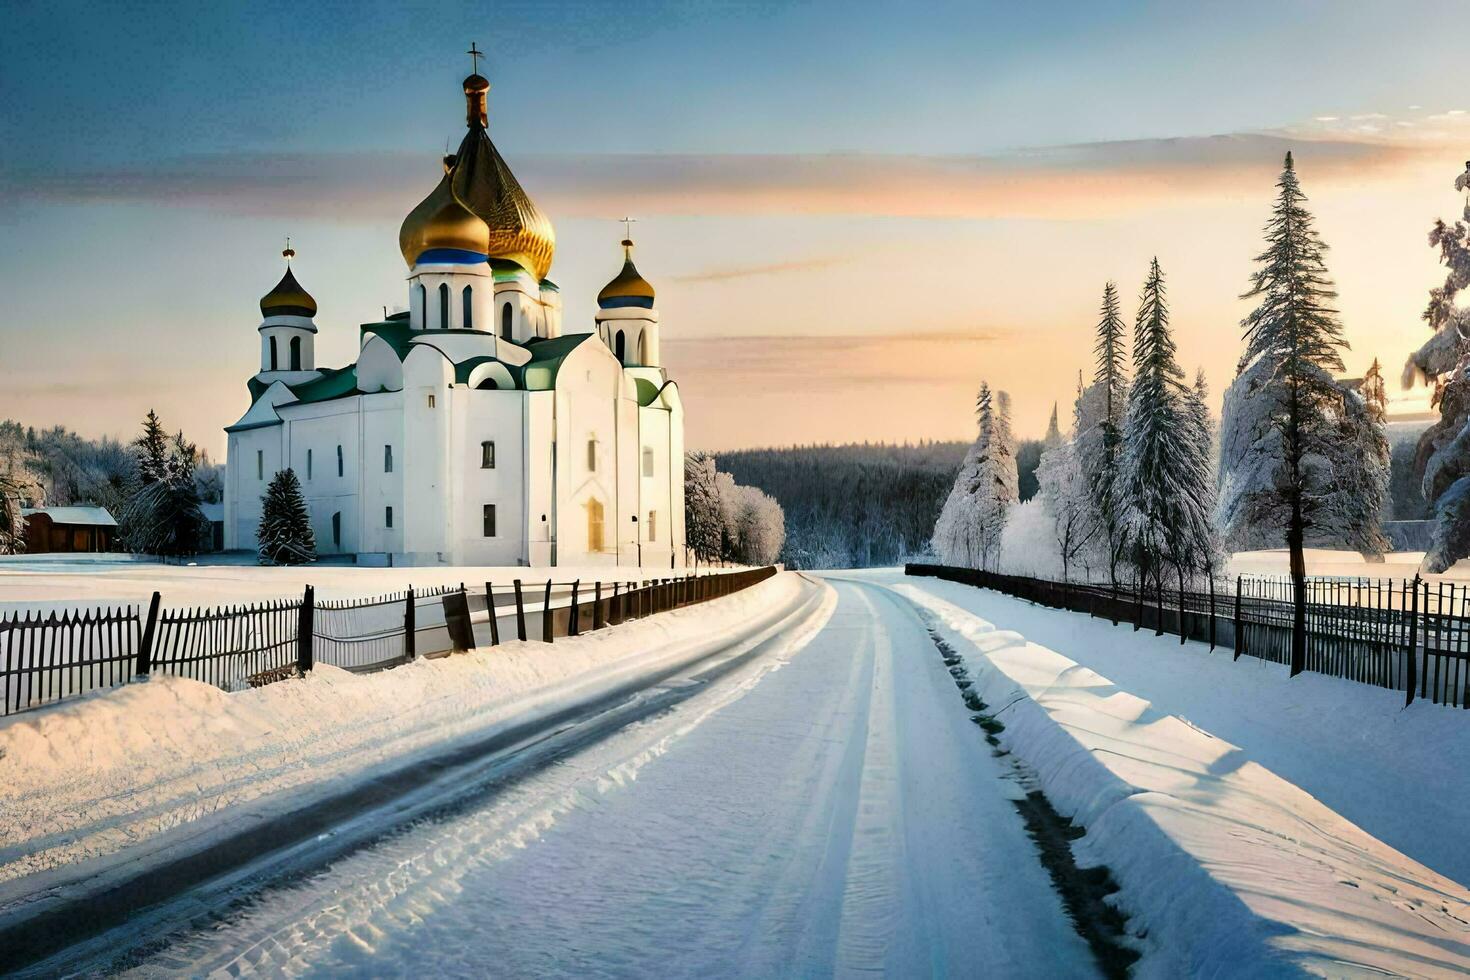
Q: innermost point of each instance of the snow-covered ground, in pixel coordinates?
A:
(830, 810)
(93, 776)
(1173, 759)
(58, 582)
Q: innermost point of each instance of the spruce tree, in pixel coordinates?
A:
(1285, 408)
(703, 522)
(1100, 441)
(957, 532)
(285, 535)
(151, 450)
(1158, 469)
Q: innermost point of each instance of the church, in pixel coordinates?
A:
(472, 429)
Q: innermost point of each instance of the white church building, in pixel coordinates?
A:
(473, 429)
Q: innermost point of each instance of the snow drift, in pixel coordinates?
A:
(90, 777)
(1224, 866)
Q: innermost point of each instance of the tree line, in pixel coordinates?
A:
(1141, 489)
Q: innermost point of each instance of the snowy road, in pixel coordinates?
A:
(826, 810)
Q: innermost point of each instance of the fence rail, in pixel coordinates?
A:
(1406, 635)
(50, 657)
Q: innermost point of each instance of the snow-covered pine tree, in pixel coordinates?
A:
(1352, 514)
(703, 526)
(151, 450)
(1443, 457)
(1199, 543)
(1281, 429)
(1053, 437)
(285, 535)
(1159, 468)
(954, 531)
(1100, 430)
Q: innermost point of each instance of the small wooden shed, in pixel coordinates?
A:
(49, 529)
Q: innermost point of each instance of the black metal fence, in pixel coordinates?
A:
(50, 657)
(1406, 635)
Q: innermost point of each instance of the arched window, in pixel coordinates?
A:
(444, 306)
(339, 460)
(505, 316)
(487, 385)
(643, 348)
(620, 344)
(337, 529)
(423, 294)
(594, 525)
(296, 353)
(469, 312)
(275, 362)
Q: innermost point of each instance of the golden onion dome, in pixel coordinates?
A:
(288, 299)
(627, 288)
(480, 181)
(441, 228)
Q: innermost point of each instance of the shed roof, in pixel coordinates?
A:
(81, 516)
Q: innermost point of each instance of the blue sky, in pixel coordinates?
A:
(836, 187)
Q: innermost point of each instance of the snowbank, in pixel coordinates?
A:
(90, 777)
(1227, 868)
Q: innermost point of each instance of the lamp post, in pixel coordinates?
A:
(638, 539)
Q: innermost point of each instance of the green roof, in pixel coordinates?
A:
(395, 332)
(464, 369)
(647, 391)
(539, 373)
(334, 383)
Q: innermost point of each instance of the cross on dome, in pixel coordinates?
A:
(475, 56)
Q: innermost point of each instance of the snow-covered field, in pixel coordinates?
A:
(60, 582)
(90, 777)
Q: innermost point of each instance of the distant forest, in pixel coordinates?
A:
(860, 505)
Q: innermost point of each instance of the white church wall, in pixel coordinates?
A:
(654, 473)
(587, 388)
(539, 452)
(495, 417)
(315, 434)
(428, 519)
(254, 457)
(382, 426)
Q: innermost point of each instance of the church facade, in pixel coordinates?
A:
(472, 429)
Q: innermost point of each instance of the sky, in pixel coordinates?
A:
(853, 212)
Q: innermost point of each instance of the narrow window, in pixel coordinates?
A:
(444, 306)
(489, 520)
(337, 529)
(653, 525)
(647, 461)
(296, 353)
(339, 460)
(643, 347)
(431, 401)
(260, 464)
(594, 525)
(388, 517)
(469, 311)
(423, 294)
(308, 464)
(275, 361)
(591, 455)
(505, 317)
(487, 455)
(387, 459)
(620, 344)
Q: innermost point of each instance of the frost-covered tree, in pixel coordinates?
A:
(161, 514)
(1443, 457)
(703, 525)
(970, 524)
(753, 523)
(1053, 437)
(1100, 431)
(1067, 497)
(12, 523)
(285, 534)
(1198, 545)
(1161, 468)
